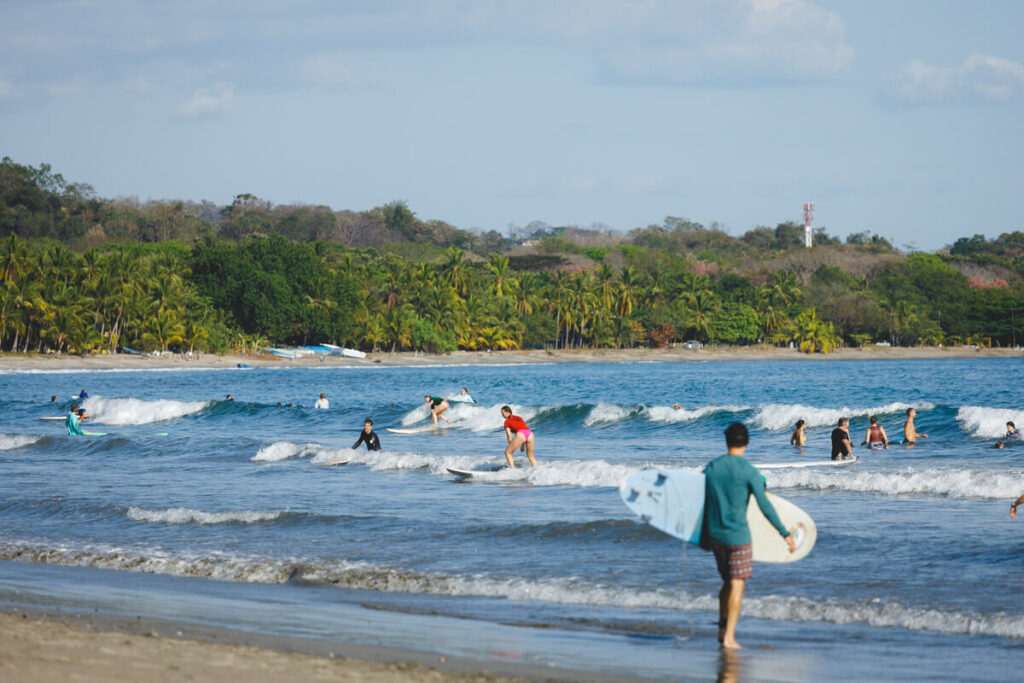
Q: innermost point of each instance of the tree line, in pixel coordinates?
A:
(252, 275)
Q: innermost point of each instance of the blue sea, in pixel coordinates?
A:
(231, 513)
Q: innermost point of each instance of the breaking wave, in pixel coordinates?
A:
(955, 483)
(988, 423)
(135, 411)
(11, 441)
(189, 516)
(781, 416)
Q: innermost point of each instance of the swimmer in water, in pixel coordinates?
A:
(799, 439)
(322, 403)
(875, 436)
(1011, 431)
(519, 436)
(437, 405)
(910, 433)
(368, 436)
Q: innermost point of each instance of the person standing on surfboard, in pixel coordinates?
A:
(437, 406)
(519, 436)
(729, 481)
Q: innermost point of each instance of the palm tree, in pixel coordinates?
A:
(502, 282)
(455, 269)
(164, 328)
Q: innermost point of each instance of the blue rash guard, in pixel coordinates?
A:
(72, 424)
(729, 482)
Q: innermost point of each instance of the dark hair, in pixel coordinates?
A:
(736, 435)
(800, 423)
(81, 411)
(1010, 424)
(367, 420)
(842, 420)
(504, 408)
(874, 420)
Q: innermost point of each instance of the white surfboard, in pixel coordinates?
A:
(414, 430)
(53, 418)
(336, 462)
(501, 474)
(812, 463)
(672, 501)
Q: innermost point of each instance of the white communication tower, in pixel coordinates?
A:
(808, 220)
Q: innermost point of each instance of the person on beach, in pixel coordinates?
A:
(71, 421)
(519, 436)
(842, 448)
(875, 436)
(437, 405)
(910, 433)
(729, 481)
(368, 436)
(1013, 507)
(1011, 431)
(799, 439)
(322, 403)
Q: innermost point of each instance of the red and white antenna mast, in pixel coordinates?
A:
(808, 220)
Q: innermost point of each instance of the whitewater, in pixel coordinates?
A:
(916, 558)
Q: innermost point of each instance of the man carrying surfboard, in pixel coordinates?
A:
(729, 482)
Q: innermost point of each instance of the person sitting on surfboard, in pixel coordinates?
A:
(71, 420)
(368, 436)
(842, 447)
(519, 436)
(910, 433)
(729, 481)
(875, 436)
(1011, 431)
(799, 439)
(437, 407)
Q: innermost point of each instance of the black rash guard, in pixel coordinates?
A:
(371, 440)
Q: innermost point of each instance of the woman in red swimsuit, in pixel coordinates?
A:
(875, 437)
(518, 435)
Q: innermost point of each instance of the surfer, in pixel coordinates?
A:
(53, 399)
(676, 406)
(519, 436)
(465, 397)
(82, 395)
(437, 405)
(368, 436)
(227, 397)
(875, 436)
(322, 403)
(910, 433)
(842, 448)
(729, 482)
(1013, 508)
(799, 439)
(71, 420)
(1011, 431)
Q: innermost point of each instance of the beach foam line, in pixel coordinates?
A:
(181, 515)
(283, 450)
(11, 441)
(670, 414)
(475, 417)
(987, 423)
(954, 483)
(776, 417)
(136, 411)
(565, 591)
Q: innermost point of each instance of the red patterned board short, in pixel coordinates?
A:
(734, 561)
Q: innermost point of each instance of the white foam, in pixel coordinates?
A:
(567, 591)
(670, 414)
(957, 483)
(988, 423)
(11, 441)
(189, 516)
(475, 417)
(135, 411)
(606, 413)
(781, 416)
(282, 450)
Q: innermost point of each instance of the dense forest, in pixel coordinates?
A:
(84, 274)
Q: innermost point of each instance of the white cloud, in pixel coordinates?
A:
(979, 78)
(208, 103)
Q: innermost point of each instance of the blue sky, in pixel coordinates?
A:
(903, 118)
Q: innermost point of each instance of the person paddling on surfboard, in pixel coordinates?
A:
(437, 405)
(368, 436)
(729, 481)
(519, 436)
(71, 421)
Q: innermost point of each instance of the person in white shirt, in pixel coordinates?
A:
(322, 402)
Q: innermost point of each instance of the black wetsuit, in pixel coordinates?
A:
(839, 450)
(371, 440)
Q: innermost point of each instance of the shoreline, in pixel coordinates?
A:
(70, 363)
(50, 644)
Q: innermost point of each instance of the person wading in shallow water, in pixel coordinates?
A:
(729, 481)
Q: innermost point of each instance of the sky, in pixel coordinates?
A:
(900, 117)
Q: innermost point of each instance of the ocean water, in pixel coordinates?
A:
(916, 574)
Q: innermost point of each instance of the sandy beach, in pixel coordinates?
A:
(18, 361)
